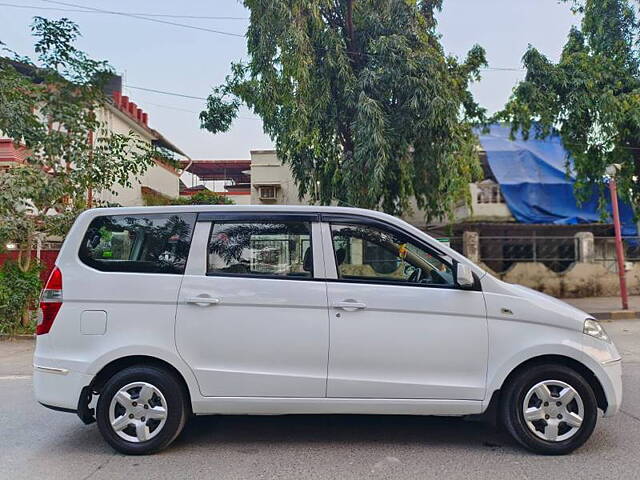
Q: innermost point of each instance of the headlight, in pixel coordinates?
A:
(594, 329)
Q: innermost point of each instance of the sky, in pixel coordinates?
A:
(189, 61)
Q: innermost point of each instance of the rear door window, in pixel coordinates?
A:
(276, 250)
(157, 243)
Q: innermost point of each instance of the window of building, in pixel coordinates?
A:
(267, 192)
(138, 243)
(489, 192)
(280, 249)
(368, 253)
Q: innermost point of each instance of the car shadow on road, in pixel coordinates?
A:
(342, 429)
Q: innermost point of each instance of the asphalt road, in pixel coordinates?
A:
(36, 443)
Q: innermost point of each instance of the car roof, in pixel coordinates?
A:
(237, 208)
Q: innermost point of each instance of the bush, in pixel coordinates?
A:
(204, 197)
(207, 197)
(19, 292)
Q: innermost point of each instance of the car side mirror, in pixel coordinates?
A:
(464, 276)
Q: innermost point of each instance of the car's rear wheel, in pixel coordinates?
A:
(141, 410)
(549, 409)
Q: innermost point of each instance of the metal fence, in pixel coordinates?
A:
(557, 253)
(605, 249)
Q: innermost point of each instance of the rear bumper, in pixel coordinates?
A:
(58, 388)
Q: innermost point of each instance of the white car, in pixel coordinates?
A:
(153, 314)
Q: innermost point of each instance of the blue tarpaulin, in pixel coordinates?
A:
(533, 179)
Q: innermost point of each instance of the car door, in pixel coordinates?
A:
(400, 328)
(252, 318)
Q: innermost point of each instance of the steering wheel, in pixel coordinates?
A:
(438, 278)
(415, 276)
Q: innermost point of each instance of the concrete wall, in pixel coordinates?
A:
(266, 169)
(240, 199)
(579, 280)
(161, 178)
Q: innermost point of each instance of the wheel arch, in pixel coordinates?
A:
(121, 363)
(569, 362)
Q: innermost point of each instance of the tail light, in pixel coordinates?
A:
(50, 302)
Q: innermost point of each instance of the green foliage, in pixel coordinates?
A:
(205, 197)
(19, 291)
(51, 109)
(152, 199)
(591, 97)
(167, 157)
(360, 99)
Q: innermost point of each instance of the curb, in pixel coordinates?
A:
(616, 315)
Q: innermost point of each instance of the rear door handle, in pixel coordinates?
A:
(350, 306)
(203, 301)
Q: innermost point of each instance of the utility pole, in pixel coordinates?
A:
(612, 170)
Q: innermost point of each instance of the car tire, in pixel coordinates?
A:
(142, 409)
(550, 409)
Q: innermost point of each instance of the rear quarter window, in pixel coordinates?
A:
(157, 243)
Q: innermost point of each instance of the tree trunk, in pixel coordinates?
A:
(352, 46)
(26, 317)
(24, 264)
(24, 254)
(90, 187)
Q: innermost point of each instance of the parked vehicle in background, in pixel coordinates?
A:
(154, 314)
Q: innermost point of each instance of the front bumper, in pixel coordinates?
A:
(611, 383)
(605, 362)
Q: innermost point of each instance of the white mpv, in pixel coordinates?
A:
(154, 314)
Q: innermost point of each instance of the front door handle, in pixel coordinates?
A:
(203, 301)
(350, 305)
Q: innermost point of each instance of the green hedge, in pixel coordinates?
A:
(204, 197)
(19, 292)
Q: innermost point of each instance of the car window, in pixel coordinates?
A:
(280, 249)
(367, 253)
(138, 243)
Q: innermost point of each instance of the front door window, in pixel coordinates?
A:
(365, 253)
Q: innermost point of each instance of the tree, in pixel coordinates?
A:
(53, 112)
(591, 97)
(360, 99)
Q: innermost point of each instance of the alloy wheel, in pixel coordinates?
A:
(137, 412)
(553, 410)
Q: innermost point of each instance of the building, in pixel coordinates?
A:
(120, 115)
(271, 181)
(231, 178)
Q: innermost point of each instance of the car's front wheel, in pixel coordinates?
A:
(141, 410)
(549, 409)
